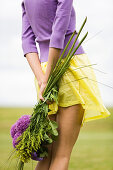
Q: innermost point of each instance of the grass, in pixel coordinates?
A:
(93, 149)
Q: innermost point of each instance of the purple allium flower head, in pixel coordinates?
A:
(23, 123)
(35, 157)
(13, 130)
(15, 138)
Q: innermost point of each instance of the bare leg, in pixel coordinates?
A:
(69, 121)
(45, 163)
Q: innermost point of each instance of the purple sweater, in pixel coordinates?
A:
(50, 23)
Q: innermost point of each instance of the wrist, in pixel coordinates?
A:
(42, 81)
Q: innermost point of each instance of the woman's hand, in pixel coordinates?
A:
(42, 88)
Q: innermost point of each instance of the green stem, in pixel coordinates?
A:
(76, 37)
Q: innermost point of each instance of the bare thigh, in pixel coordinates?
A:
(69, 121)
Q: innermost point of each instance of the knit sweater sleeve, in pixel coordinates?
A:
(27, 35)
(60, 23)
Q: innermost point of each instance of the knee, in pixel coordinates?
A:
(61, 154)
(59, 162)
(64, 157)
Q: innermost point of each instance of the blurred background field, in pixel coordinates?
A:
(92, 151)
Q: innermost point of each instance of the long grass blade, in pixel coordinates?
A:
(77, 38)
(92, 36)
(89, 79)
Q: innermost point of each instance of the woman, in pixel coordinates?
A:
(51, 24)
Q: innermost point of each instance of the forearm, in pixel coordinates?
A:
(53, 57)
(34, 62)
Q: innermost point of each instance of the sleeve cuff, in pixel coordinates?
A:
(28, 48)
(57, 39)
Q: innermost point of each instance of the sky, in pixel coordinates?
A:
(17, 88)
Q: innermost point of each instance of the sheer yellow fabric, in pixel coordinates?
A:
(79, 85)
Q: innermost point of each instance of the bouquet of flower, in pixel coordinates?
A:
(18, 128)
(32, 134)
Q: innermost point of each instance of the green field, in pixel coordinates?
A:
(92, 151)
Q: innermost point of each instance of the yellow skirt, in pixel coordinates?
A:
(78, 85)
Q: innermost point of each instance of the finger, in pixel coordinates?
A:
(49, 102)
(41, 92)
(40, 97)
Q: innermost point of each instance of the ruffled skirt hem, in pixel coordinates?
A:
(78, 85)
